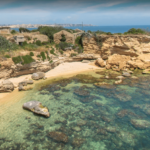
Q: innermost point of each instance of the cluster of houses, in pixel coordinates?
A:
(70, 37)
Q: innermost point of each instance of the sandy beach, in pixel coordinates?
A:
(64, 69)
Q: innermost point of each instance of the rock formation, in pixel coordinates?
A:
(119, 52)
(37, 108)
(6, 86)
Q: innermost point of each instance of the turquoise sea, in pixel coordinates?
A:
(83, 116)
(112, 29)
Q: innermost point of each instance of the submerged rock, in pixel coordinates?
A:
(81, 122)
(76, 128)
(38, 75)
(77, 142)
(81, 92)
(37, 108)
(6, 86)
(59, 136)
(140, 124)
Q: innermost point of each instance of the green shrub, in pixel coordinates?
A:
(52, 51)
(45, 43)
(34, 30)
(13, 31)
(61, 52)
(17, 59)
(63, 38)
(38, 42)
(30, 46)
(7, 56)
(78, 40)
(28, 38)
(57, 46)
(31, 54)
(135, 31)
(64, 45)
(46, 46)
(24, 43)
(43, 56)
(0, 65)
(73, 54)
(27, 59)
(49, 31)
(50, 61)
(23, 30)
(6, 45)
(109, 33)
(38, 56)
(23, 59)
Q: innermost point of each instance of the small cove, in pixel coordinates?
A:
(100, 118)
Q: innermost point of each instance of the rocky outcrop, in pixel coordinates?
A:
(37, 108)
(106, 45)
(8, 69)
(120, 52)
(100, 62)
(38, 75)
(82, 56)
(6, 86)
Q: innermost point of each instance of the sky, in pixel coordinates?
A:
(95, 12)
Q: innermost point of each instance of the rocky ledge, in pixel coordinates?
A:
(37, 108)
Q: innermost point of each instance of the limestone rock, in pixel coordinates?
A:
(37, 108)
(38, 75)
(6, 86)
(100, 62)
(140, 124)
(126, 74)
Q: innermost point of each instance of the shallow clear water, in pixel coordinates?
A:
(110, 117)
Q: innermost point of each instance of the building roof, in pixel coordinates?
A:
(4, 27)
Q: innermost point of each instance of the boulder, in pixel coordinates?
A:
(126, 74)
(6, 86)
(100, 62)
(37, 108)
(38, 75)
(140, 124)
(21, 88)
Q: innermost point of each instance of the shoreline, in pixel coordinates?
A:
(63, 70)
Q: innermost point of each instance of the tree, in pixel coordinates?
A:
(63, 38)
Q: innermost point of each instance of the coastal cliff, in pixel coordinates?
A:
(120, 52)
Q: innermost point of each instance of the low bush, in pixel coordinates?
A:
(31, 54)
(23, 30)
(43, 56)
(61, 52)
(46, 46)
(13, 31)
(135, 31)
(6, 45)
(38, 42)
(29, 46)
(0, 65)
(52, 51)
(45, 43)
(17, 59)
(38, 56)
(23, 59)
(7, 56)
(63, 45)
(27, 59)
(73, 54)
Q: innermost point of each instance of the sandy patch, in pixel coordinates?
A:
(64, 69)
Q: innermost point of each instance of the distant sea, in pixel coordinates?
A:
(112, 29)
